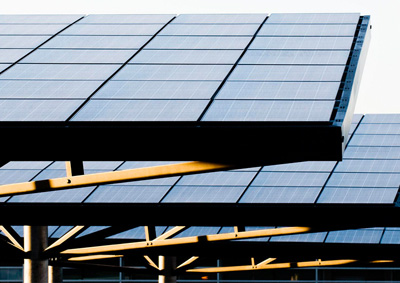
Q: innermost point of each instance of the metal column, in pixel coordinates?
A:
(167, 264)
(35, 267)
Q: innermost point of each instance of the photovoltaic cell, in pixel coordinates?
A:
(365, 180)
(278, 90)
(381, 119)
(390, 166)
(128, 194)
(210, 29)
(307, 30)
(357, 195)
(11, 176)
(157, 90)
(64, 196)
(22, 41)
(198, 42)
(186, 57)
(61, 56)
(367, 152)
(12, 55)
(47, 89)
(39, 19)
(96, 42)
(224, 178)
(31, 29)
(37, 110)
(308, 166)
(391, 236)
(126, 19)
(141, 110)
(301, 42)
(115, 29)
(24, 165)
(173, 72)
(286, 73)
(295, 57)
(306, 237)
(313, 18)
(204, 194)
(4, 66)
(371, 235)
(255, 194)
(266, 110)
(295, 179)
(60, 72)
(219, 19)
(378, 129)
(375, 140)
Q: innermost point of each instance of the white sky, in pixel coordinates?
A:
(378, 92)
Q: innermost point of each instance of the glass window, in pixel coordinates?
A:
(265, 110)
(295, 57)
(186, 57)
(278, 90)
(157, 90)
(302, 42)
(287, 73)
(141, 110)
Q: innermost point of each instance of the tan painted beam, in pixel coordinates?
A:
(67, 236)
(14, 238)
(273, 266)
(188, 240)
(113, 177)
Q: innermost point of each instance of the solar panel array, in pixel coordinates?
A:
(213, 67)
(368, 174)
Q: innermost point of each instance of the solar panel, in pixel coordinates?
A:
(351, 195)
(390, 166)
(210, 29)
(157, 90)
(270, 194)
(309, 166)
(126, 19)
(186, 57)
(391, 236)
(370, 235)
(378, 129)
(314, 18)
(375, 140)
(37, 110)
(301, 42)
(38, 19)
(45, 89)
(382, 119)
(306, 237)
(227, 178)
(77, 56)
(372, 152)
(12, 55)
(31, 29)
(365, 180)
(63, 196)
(219, 19)
(198, 42)
(114, 29)
(22, 41)
(296, 179)
(141, 110)
(295, 57)
(279, 90)
(266, 110)
(97, 42)
(307, 30)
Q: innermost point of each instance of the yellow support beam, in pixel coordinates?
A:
(188, 240)
(69, 182)
(273, 266)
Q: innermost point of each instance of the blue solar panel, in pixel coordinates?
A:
(112, 29)
(349, 195)
(375, 140)
(255, 194)
(22, 41)
(301, 42)
(372, 152)
(314, 18)
(31, 29)
(198, 42)
(64, 196)
(378, 129)
(126, 19)
(307, 30)
(39, 19)
(382, 118)
(219, 19)
(290, 179)
(390, 166)
(210, 29)
(365, 180)
(306, 237)
(12, 55)
(370, 236)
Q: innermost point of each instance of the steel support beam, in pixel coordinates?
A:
(35, 266)
(114, 177)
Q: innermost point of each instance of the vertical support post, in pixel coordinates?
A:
(35, 267)
(167, 265)
(55, 274)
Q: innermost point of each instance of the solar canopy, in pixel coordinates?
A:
(180, 87)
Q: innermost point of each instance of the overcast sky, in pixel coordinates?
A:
(379, 92)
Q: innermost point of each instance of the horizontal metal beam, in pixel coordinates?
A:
(273, 266)
(188, 240)
(113, 177)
